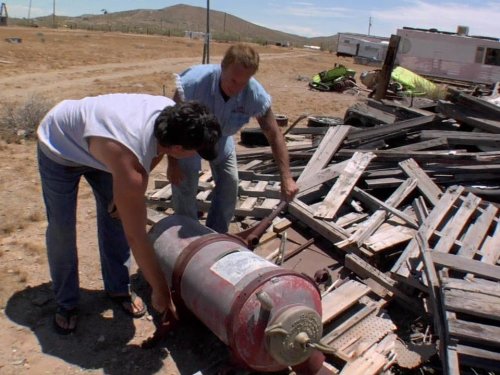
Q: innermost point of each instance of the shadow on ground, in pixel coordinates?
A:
(102, 339)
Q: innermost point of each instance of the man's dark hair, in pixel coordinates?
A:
(191, 125)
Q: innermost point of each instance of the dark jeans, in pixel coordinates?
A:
(60, 190)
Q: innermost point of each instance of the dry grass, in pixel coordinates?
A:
(35, 250)
(21, 122)
(9, 226)
(21, 275)
(36, 216)
(17, 222)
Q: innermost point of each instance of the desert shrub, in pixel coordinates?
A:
(20, 122)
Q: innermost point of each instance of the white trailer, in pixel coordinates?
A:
(347, 45)
(449, 55)
(373, 50)
(366, 46)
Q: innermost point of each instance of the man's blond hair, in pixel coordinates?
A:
(241, 54)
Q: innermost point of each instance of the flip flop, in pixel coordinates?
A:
(70, 316)
(127, 302)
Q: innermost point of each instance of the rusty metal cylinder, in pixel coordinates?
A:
(266, 314)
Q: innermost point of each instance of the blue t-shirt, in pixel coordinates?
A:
(202, 83)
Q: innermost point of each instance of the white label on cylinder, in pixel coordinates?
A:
(234, 266)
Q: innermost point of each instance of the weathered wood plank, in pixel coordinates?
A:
(470, 118)
(321, 177)
(431, 191)
(472, 285)
(368, 227)
(472, 303)
(368, 198)
(454, 227)
(248, 203)
(329, 145)
(434, 219)
(388, 236)
(366, 270)
(478, 352)
(457, 262)
(354, 319)
(340, 299)
(343, 186)
(491, 249)
(475, 332)
(474, 236)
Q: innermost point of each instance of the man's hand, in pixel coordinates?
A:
(289, 189)
(162, 301)
(174, 172)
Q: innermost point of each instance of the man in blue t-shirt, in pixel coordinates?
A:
(234, 96)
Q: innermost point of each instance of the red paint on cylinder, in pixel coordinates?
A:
(249, 303)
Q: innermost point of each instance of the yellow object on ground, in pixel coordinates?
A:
(418, 85)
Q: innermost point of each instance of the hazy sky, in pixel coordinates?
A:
(307, 18)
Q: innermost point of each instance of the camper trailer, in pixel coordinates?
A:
(347, 45)
(364, 46)
(453, 56)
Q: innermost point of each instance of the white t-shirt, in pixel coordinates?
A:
(126, 118)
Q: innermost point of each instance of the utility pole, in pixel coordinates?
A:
(206, 57)
(29, 11)
(54, 14)
(369, 24)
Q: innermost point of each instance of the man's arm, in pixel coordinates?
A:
(129, 186)
(273, 134)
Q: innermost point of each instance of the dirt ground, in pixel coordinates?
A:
(53, 65)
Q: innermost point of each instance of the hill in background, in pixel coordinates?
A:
(178, 19)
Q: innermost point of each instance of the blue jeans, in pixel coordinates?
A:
(224, 195)
(60, 190)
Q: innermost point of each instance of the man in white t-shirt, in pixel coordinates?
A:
(113, 141)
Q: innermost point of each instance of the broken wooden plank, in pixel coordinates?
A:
(321, 177)
(351, 321)
(370, 363)
(361, 194)
(472, 303)
(490, 250)
(472, 285)
(475, 332)
(468, 117)
(476, 233)
(340, 299)
(366, 270)
(343, 186)
(447, 201)
(359, 137)
(367, 228)
(459, 263)
(431, 191)
(454, 227)
(329, 145)
(388, 236)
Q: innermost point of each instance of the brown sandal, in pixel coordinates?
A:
(127, 302)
